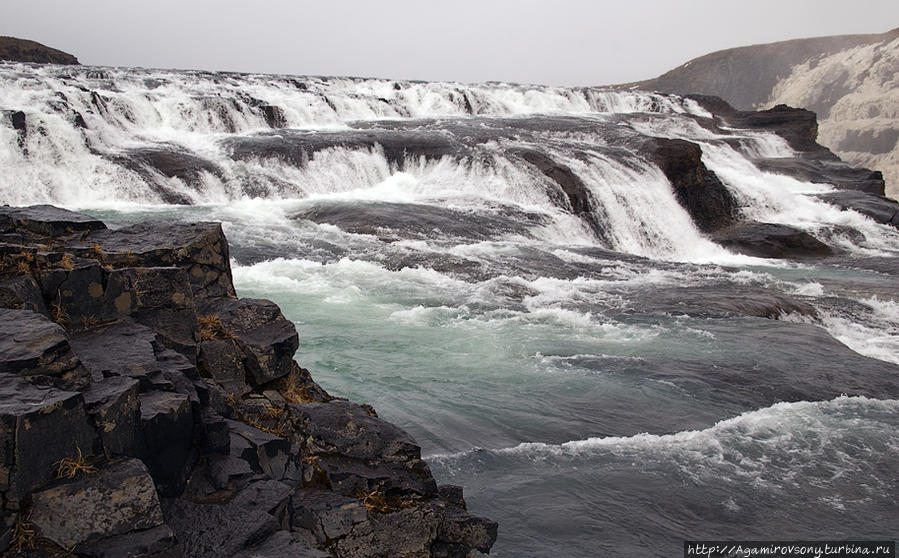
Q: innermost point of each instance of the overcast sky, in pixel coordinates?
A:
(563, 42)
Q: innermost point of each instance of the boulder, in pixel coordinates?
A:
(33, 347)
(158, 542)
(257, 327)
(47, 220)
(699, 190)
(327, 515)
(113, 405)
(265, 452)
(769, 240)
(167, 424)
(406, 533)
(199, 248)
(282, 544)
(879, 208)
(22, 293)
(245, 520)
(118, 498)
(39, 427)
(354, 452)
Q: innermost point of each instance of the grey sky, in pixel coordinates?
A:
(563, 42)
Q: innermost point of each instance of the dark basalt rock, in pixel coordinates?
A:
(158, 542)
(199, 248)
(33, 347)
(282, 544)
(768, 240)
(99, 333)
(46, 220)
(245, 520)
(118, 498)
(38, 428)
(266, 338)
(879, 208)
(836, 173)
(167, 424)
(22, 293)
(113, 405)
(699, 190)
(580, 200)
(23, 50)
(169, 161)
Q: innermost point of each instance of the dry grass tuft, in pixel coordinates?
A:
(69, 467)
(23, 535)
(97, 249)
(378, 502)
(270, 412)
(290, 389)
(210, 327)
(59, 315)
(280, 430)
(66, 262)
(373, 501)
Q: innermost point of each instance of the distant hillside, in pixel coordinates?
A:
(850, 81)
(23, 50)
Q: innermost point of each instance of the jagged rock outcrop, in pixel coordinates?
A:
(146, 411)
(850, 81)
(23, 50)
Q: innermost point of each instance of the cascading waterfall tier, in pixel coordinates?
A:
(582, 158)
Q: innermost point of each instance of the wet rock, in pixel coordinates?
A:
(34, 347)
(299, 147)
(707, 301)
(356, 452)
(47, 220)
(119, 498)
(327, 515)
(768, 240)
(162, 299)
(22, 293)
(199, 248)
(113, 405)
(264, 451)
(167, 423)
(699, 190)
(247, 519)
(19, 122)
(38, 428)
(460, 532)
(404, 533)
(577, 194)
(158, 542)
(166, 161)
(836, 173)
(258, 329)
(879, 208)
(274, 116)
(282, 544)
(796, 125)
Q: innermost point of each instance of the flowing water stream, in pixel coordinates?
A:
(599, 391)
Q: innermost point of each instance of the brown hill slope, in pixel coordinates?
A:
(23, 50)
(850, 81)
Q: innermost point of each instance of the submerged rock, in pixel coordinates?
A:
(768, 240)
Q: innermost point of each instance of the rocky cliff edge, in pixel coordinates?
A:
(146, 411)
